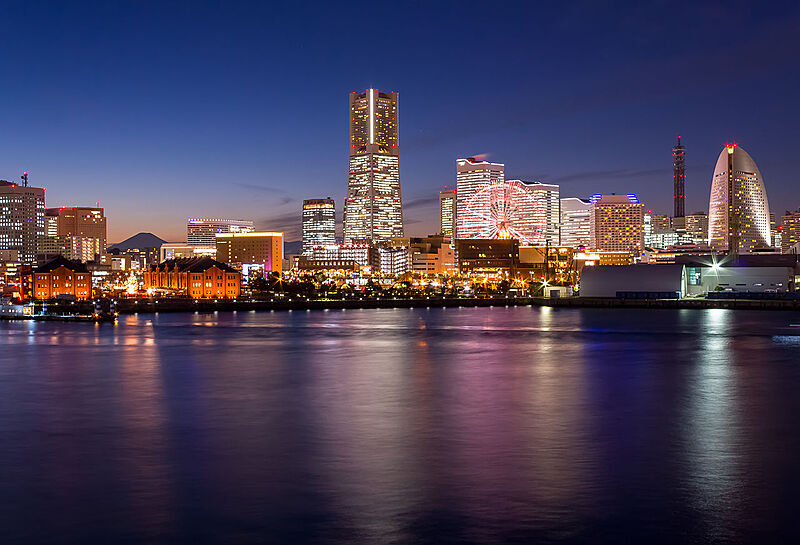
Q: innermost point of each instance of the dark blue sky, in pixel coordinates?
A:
(164, 110)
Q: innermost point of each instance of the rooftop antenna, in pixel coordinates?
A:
(24, 179)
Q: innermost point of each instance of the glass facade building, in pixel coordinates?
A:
(447, 212)
(319, 224)
(738, 218)
(373, 208)
(490, 207)
(21, 220)
(474, 179)
(575, 222)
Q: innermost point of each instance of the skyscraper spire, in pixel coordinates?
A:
(679, 179)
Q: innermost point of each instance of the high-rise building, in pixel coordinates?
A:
(251, 250)
(21, 219)
(373, 208)
(201, 232)
(697, 227)
(319, 223)
(654, 223)
(78, 221)
(679, 180)
(617, 222)
(738, 217)
(791, 230)
(474, 179)
(508, 209)
(575, 222)
(550, 202)
(447, 212)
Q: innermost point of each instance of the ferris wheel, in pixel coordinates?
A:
(507, 209)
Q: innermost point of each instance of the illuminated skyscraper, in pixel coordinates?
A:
(201, 232)
(549, 197)
(617, 222)
(474, 179)
(738, 210)
(319, 223)
(575, 222)
(447, 212)
(373, 208)
(21, 219)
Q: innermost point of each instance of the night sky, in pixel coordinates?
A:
(166, 110)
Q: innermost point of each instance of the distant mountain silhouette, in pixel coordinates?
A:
(141, 240)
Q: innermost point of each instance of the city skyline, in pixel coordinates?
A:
(165, 128)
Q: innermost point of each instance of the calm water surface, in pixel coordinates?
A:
(494, 425)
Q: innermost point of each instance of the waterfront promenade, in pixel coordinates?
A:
(133, 306)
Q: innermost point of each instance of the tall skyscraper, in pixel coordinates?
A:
(21, 219)
(373, 209)
(617, 222)
(550, 197)
(201, 232)
(447, 212)
(319, 223)
(738, 217)
(506, 209)
(575, 222)
(679, 181)
(474, 179)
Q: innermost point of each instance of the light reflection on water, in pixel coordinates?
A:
(490, 425)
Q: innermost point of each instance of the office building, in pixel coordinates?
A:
(490, 207)
(201, 232)
(21, 219)
(78, 221)
(252, 253)
(373, 210)
(655, 224)
(575, 222)
(319, 223)
(738, 217)
(697, 227)
(85, 249)
(549, 199)
(433, 255)
(447, 212)
(790, 234)
(394, 260)
(199, 278)
(617, 223)
(474, 181)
